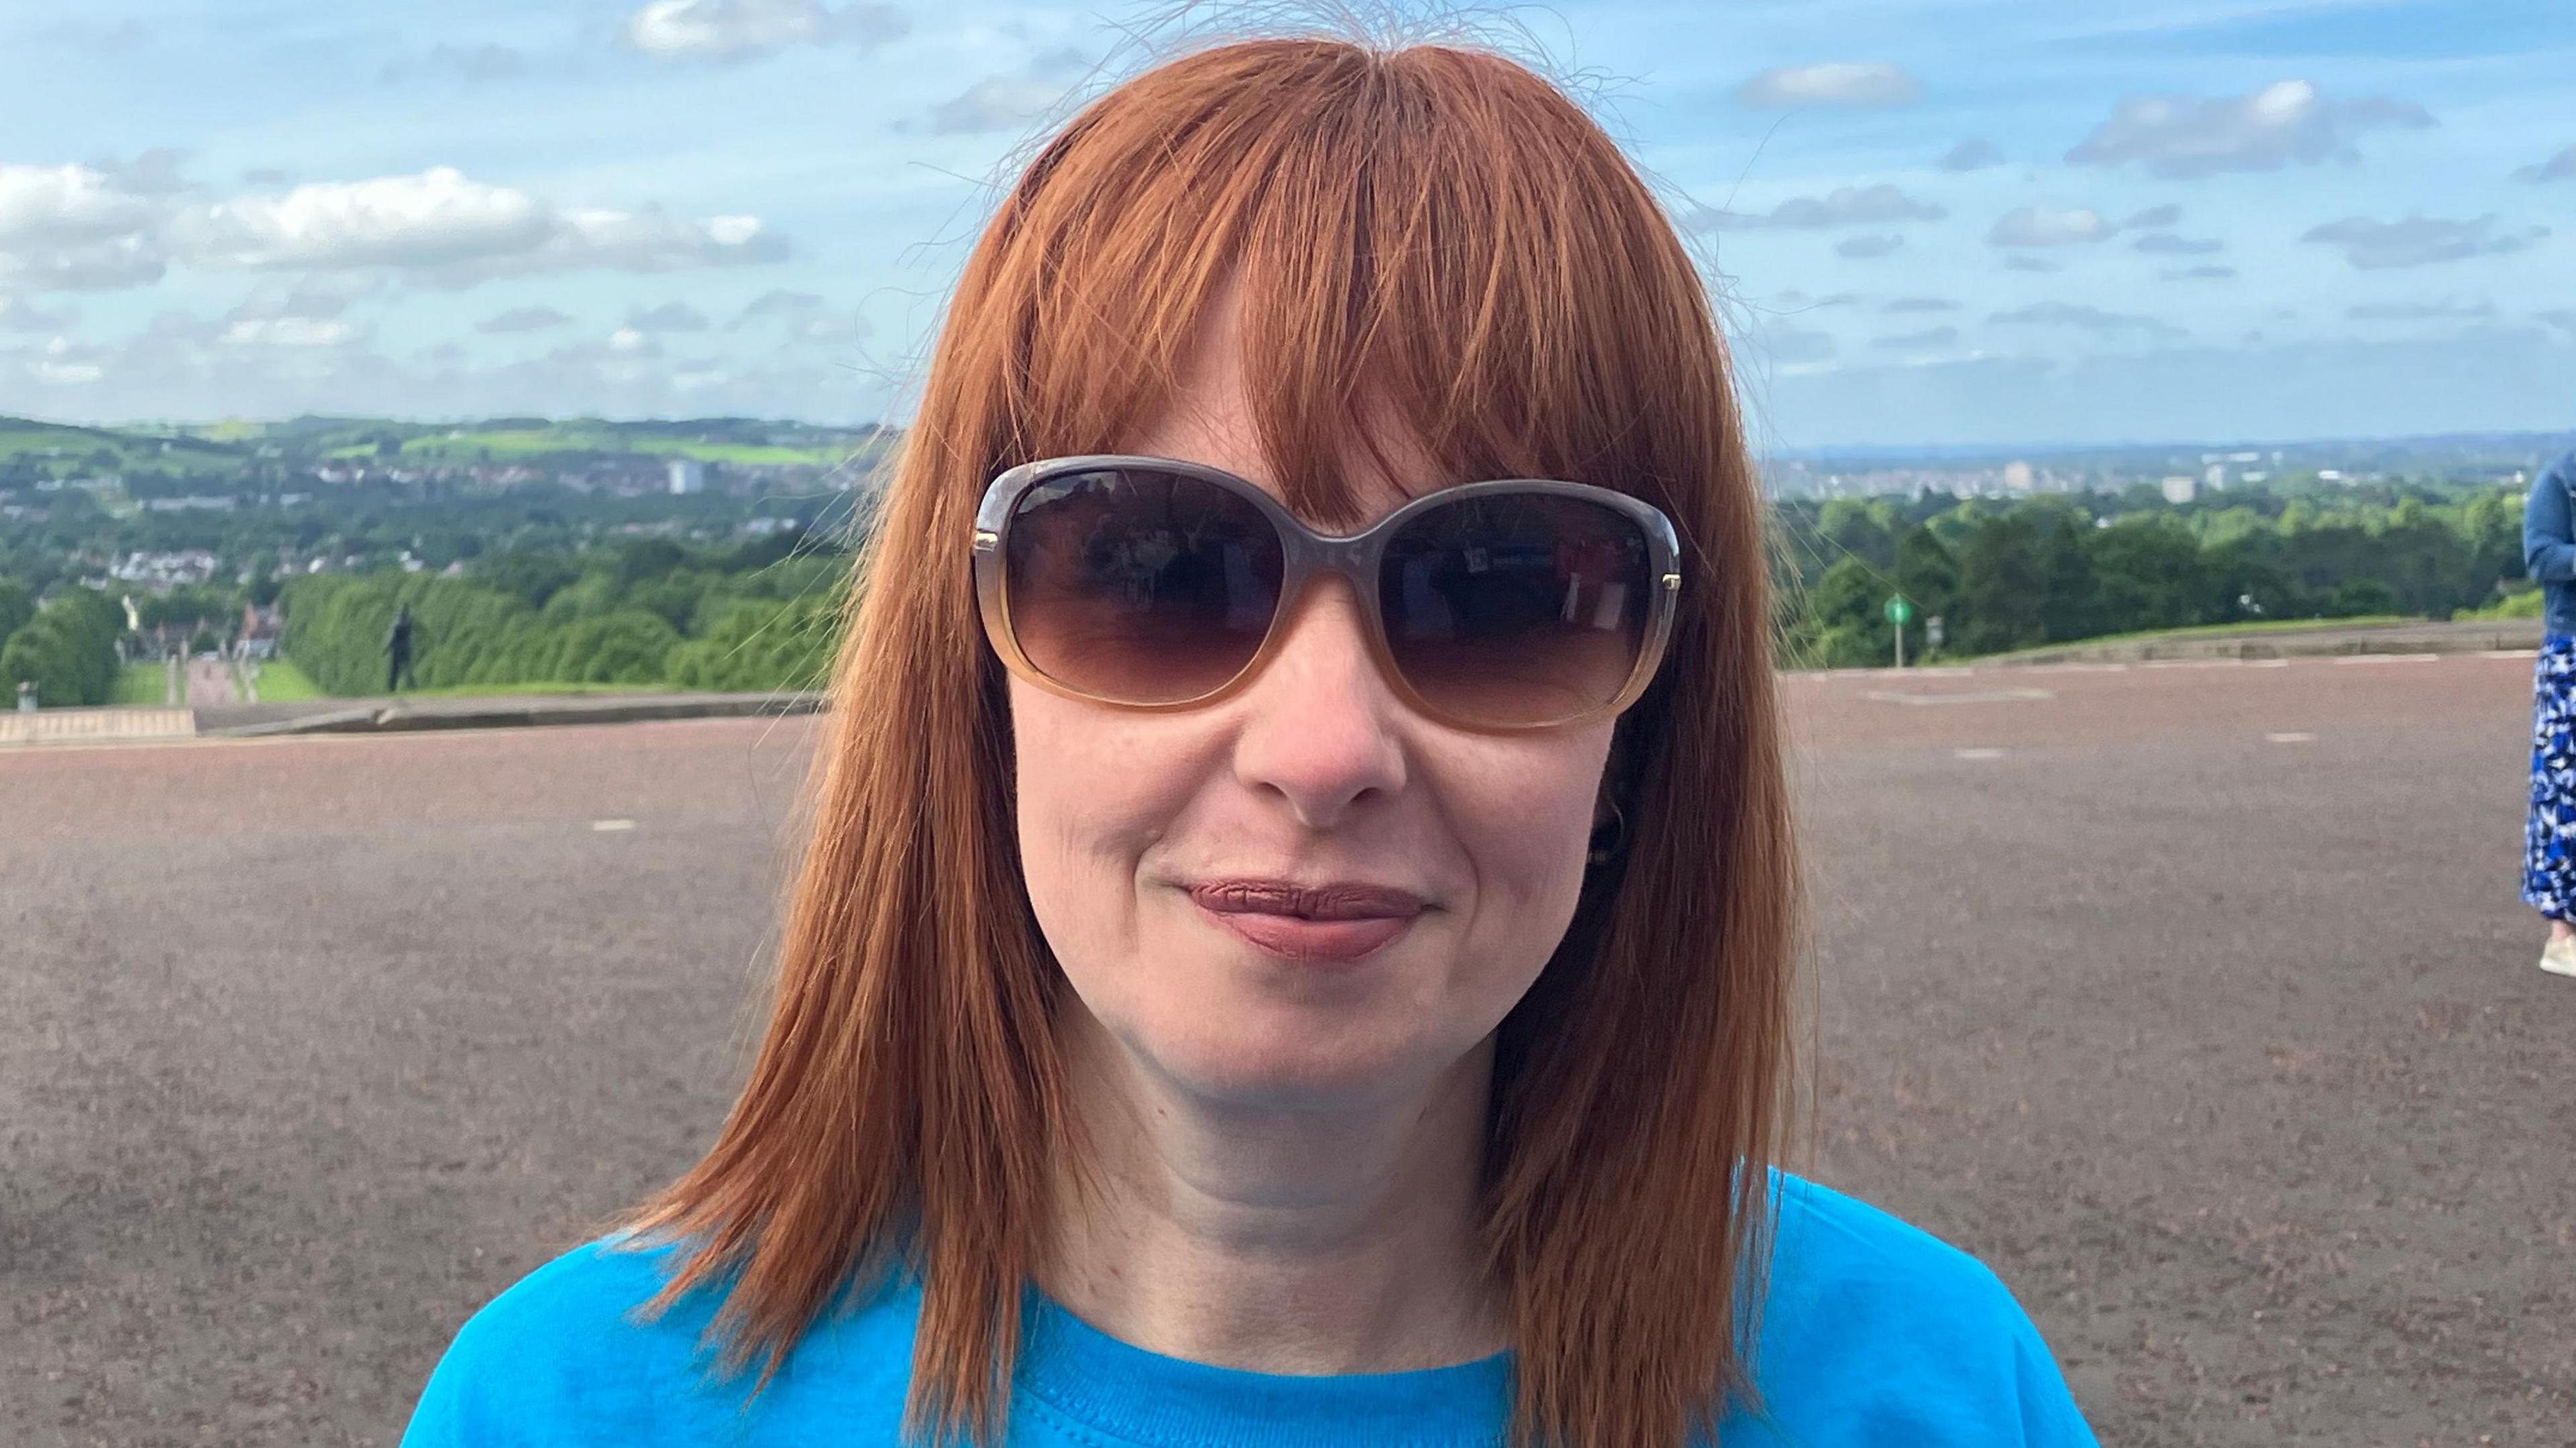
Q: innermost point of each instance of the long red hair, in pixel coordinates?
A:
(1435, 229)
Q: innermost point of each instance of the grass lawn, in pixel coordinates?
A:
(502, 444)
(2215, 630)
(142, 684)
(472, 691)
(282, 683)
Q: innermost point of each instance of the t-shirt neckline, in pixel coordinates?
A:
(1145, 1398)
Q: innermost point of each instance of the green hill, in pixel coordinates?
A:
(61, 449)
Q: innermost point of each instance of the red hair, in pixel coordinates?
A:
(1441, 231)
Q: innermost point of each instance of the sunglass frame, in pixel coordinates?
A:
(1305, 554)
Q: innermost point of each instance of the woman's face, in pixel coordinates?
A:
(1177, 860)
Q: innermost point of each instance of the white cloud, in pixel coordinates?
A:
(2445, 310)
(2199, 273)
(806, 316)
(2050, 226)
(2419, 240)
(2154, 218)
(1010, 102)
(1866, 248)
(2561, 167)
(521, 319)
(65, 205)
(316, 296)
(72, 373)
(1834, 83)
(437, 218)
(743, 29)
(124, 261)
(1792, 345)
(1935, 340)
(2031, 264)
(151, 173)
(1970, 156)
(24, 316)
(2563, 318)
(471, 64)
(2091, 319)
(2289, 120)
(995, 103)
(2165, 243)
(1921, 304)
(1843, 206)
(668, 317)
(650, 240)
(777, 302)
(457, 230)
(287, 332)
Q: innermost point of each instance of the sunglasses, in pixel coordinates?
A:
(1159, 584)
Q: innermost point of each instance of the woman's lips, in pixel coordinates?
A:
(1338, 922)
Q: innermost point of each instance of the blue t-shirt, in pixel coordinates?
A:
(1874, 1333)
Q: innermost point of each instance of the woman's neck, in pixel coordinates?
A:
(1280, 1240)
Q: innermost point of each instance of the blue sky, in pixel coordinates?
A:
(1931, 221)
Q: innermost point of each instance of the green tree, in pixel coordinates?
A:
(67, 650)
(2002, 587)
(2070, 596)
(1857, 529)
(532, 578)
(16, 607)
(2151, 574)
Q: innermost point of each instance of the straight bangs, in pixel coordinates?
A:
(1433, 250)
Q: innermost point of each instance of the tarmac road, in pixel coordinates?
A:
(2196, 1000)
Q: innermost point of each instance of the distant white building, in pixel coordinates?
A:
(2181, 488)
(688, 475)
(2216, 477)
(2017, 476)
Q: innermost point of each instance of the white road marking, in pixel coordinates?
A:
(2292, 736)
(607, 826)
(2500, 654)
(2386, 658)
(1978, 753)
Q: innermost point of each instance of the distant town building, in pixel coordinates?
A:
(688, 475)
(258, 638)
(2017, 476)
(2216, 477)
(2181, 489)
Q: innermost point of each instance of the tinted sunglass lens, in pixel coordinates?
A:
(1139, 586)
(1517, 608)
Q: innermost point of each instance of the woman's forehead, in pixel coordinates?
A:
(1210, 417)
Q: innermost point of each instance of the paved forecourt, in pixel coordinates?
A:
(2195, 1000)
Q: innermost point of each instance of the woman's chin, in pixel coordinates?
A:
(1286, 1068)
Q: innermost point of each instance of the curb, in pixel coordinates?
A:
(2394, 639)
(394, 719)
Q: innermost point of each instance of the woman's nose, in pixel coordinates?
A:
(1320, 724)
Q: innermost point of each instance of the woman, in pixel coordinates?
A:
(2549, 838)
(1250, 986)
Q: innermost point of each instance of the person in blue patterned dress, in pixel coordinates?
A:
(2549, 839)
